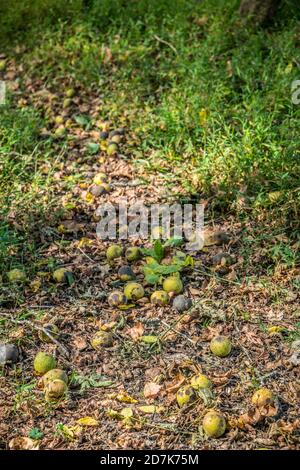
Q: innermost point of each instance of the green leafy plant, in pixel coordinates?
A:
(158, 249)
(35, 434)
(154, 271)
(92, 381)
(156, 252)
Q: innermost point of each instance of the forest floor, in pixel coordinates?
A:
(124, 396)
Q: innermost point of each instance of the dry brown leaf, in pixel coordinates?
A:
(176, 383)
(18, 333)
(23, 443)
(288, 427)
(194, 291)
(79, 343)
(136, 331)
(152, 373)
(151, 390)
(222, 379)
(251, 418)
(268, 410)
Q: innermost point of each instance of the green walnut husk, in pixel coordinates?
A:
(54, 374)
(117, 299)
(220, 346)
(133, 253)
(60, 275)
(43, 362)
(185, 395)
(55, 389)
(263, 397)
(134, 291)
(102, 339)
(214, 424)
(100, 178)
(173, 284)
(126, 274)
(159, 298)
(113, 252)
(16, 276)
(200, 381)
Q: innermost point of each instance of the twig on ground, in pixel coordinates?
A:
(37, 306)
(63, 350)
(87, 256)
(166, 43)
(170, 328)
(178, 320)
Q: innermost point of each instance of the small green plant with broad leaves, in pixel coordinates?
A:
(35, 434)
(154, 271)
(83, 383)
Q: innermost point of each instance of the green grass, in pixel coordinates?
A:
(212, 97)
(25, 190)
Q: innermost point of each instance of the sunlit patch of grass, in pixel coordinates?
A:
(214, 97)
(25, 189)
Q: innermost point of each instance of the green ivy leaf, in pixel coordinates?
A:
(148, 252)
(150, 276)
(189, 261)
(164, 269)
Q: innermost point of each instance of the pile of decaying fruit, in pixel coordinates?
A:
(109, 141)
(133, 291)
(214, 422)
(54, 380)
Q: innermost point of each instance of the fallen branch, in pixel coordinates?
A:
(62, 349)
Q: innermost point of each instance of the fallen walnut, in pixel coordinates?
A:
(43, 362)
(214, 424)
(55, 389)
(9, 353)
(54, 374)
